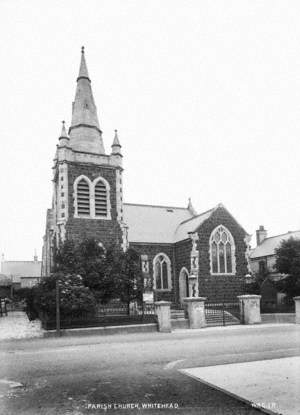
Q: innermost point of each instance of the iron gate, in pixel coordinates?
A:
(223, 313)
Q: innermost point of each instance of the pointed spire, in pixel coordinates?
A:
(64, 131)
(85, 133)
(191, 207)
(116, 146)
(116, 139)
(63, 138)
(83, 72)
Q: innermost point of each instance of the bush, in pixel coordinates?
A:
(75, 299)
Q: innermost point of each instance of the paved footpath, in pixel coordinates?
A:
(270, 384)
(17, 326)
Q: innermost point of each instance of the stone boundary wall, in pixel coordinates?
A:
(278, 318)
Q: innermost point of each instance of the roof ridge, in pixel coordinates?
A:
(197, 216)
(33, 261)
(156, 206)
(281, 234)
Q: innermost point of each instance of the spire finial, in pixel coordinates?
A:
(191, 207)
(83, 72)
(116, 146)
(63, 135)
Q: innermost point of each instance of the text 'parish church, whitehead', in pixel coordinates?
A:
(180, 250)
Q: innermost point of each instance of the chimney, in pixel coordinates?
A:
(261, 235)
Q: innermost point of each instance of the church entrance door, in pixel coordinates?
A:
(183, 284)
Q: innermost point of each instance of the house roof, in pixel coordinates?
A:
(21, 268)
(268, 245)
(153, 224)
(5, 281)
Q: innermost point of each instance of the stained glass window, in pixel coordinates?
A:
(222, 251)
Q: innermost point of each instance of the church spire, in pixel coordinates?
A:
(83, 72)
(85, 133)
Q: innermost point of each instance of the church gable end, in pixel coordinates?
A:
(222, 283)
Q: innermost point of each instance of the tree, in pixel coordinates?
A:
(75, 298)
(89, 260)
(107, 273)
(128, 277)
(288, 262)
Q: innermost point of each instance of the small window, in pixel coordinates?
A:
(61, 177)
(262, 267)
(62, 194)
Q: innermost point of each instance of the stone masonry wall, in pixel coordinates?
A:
(182, 259)
(152, 250)
(221, 286)
(107, 231)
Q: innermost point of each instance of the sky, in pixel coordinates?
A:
(205, 96)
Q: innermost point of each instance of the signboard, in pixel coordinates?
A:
(148, 297)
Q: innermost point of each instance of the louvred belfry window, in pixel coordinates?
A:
(100, 199)
(83, 198)
(222, 256)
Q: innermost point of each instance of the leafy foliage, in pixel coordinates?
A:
(75, 298)
(288, 262)
(87, 274)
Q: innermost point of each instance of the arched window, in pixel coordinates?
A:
(83, 197)
(102, 198)
(91, 200)
(222, 251)
(162, 272)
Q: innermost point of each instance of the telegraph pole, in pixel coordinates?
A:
(57, 308)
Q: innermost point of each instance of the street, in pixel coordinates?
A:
(87, 374)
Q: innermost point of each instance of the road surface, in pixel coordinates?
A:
(103, 374)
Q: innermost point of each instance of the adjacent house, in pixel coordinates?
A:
(22, 274)
(263, 264)
(263, 258)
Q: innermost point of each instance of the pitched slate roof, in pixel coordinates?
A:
(5, 281)
(21, 268)
(191, 225)
(153, 224)
(268, 246)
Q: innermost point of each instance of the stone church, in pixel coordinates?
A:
(182, 253)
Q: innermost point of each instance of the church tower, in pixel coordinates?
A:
(87, 182)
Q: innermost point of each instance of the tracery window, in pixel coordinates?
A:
(222, 251)
(162, 272)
